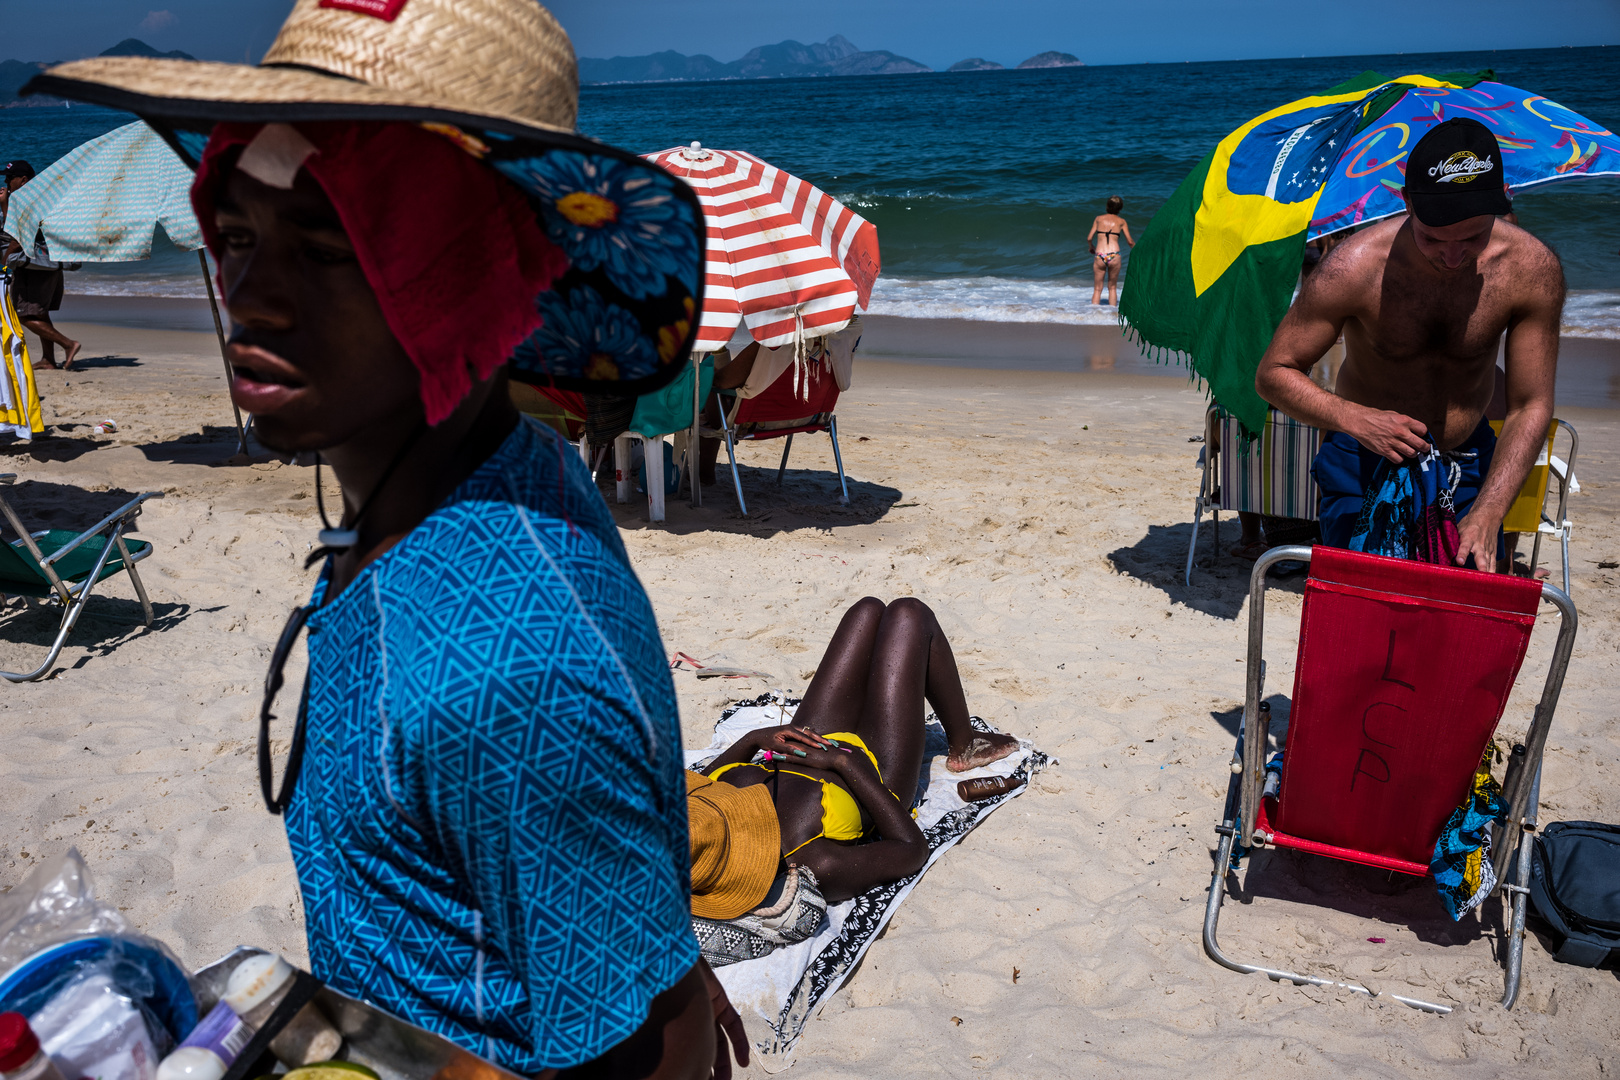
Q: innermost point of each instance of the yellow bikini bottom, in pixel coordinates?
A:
(840, 813)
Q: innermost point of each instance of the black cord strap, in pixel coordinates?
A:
(303, 990)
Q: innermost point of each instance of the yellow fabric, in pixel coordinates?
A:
(840, 812)
(19, 397)
(1524, 516)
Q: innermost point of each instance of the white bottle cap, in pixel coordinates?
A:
(191, 1063)
(255, 981)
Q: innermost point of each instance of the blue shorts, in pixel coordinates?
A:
(1344, 471)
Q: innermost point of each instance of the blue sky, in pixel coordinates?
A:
(935, 32)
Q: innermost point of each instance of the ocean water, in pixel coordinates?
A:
(982, 186)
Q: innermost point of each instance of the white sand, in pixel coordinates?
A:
(1052, 555)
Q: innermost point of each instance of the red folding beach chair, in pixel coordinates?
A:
(781, 411)
(1402, 675)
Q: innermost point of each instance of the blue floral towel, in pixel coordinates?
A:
(1410, 509)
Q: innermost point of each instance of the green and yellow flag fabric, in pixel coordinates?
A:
(1216, 268)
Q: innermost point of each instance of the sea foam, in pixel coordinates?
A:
(1593, 313)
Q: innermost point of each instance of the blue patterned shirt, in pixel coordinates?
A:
(490, 826)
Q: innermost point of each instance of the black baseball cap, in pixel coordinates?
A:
(17, 168)
(1455, 172)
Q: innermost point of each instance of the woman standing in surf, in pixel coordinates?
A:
(1103, 239)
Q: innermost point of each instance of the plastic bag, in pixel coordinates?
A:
(91, 1029)
(58, 944)
(56, 903)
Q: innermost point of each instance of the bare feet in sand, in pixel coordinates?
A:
(72, 355)
(981, 749)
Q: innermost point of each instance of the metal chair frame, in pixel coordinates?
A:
(1521, 792)
(728, 431)
(71, 595)
(1559, 526)
(1209, 490)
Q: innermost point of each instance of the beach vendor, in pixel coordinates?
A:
(20, 415)
(37, 281)
(1411, 467)
(484, 795)
(831, 791)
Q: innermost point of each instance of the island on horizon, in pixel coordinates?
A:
(837, 56)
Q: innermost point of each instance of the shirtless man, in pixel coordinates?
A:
(1423, 301)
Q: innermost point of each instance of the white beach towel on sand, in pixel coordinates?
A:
(788, 987)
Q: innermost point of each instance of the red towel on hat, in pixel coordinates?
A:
(452, 250)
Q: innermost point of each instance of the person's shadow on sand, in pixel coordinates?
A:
(214, 445)
(1220, 581)
(89, 363)
(57, 443)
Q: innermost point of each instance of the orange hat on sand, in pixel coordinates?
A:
(736, 846)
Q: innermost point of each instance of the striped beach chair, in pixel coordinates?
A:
(1270, 475)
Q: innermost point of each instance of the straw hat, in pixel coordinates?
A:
(497, 77)
(736, 846)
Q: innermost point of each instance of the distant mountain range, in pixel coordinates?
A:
(788, 59)
(136, 47)
(13, 73)
(835, 56)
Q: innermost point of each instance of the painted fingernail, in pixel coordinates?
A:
(801, 753)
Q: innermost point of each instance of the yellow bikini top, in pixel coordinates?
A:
(840, 813)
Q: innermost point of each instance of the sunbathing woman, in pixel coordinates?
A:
(1106, 230)
(843, 774)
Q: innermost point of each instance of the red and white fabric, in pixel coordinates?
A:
(784, 257)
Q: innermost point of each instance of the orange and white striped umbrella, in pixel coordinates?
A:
(784, 257)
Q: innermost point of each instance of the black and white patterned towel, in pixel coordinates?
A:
(790, 986)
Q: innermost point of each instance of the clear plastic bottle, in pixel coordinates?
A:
(254, 990)
(208, 1052)
(20, 1055)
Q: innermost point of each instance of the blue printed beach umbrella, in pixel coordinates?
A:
(1216, 268)
(102, 201)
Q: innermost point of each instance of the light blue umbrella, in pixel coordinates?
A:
(102, 201)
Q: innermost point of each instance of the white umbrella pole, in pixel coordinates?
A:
(219, 332)
(694, 445)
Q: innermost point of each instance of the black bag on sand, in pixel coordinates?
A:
(1575, 886)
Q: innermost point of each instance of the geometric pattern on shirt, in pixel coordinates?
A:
(490, 825)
